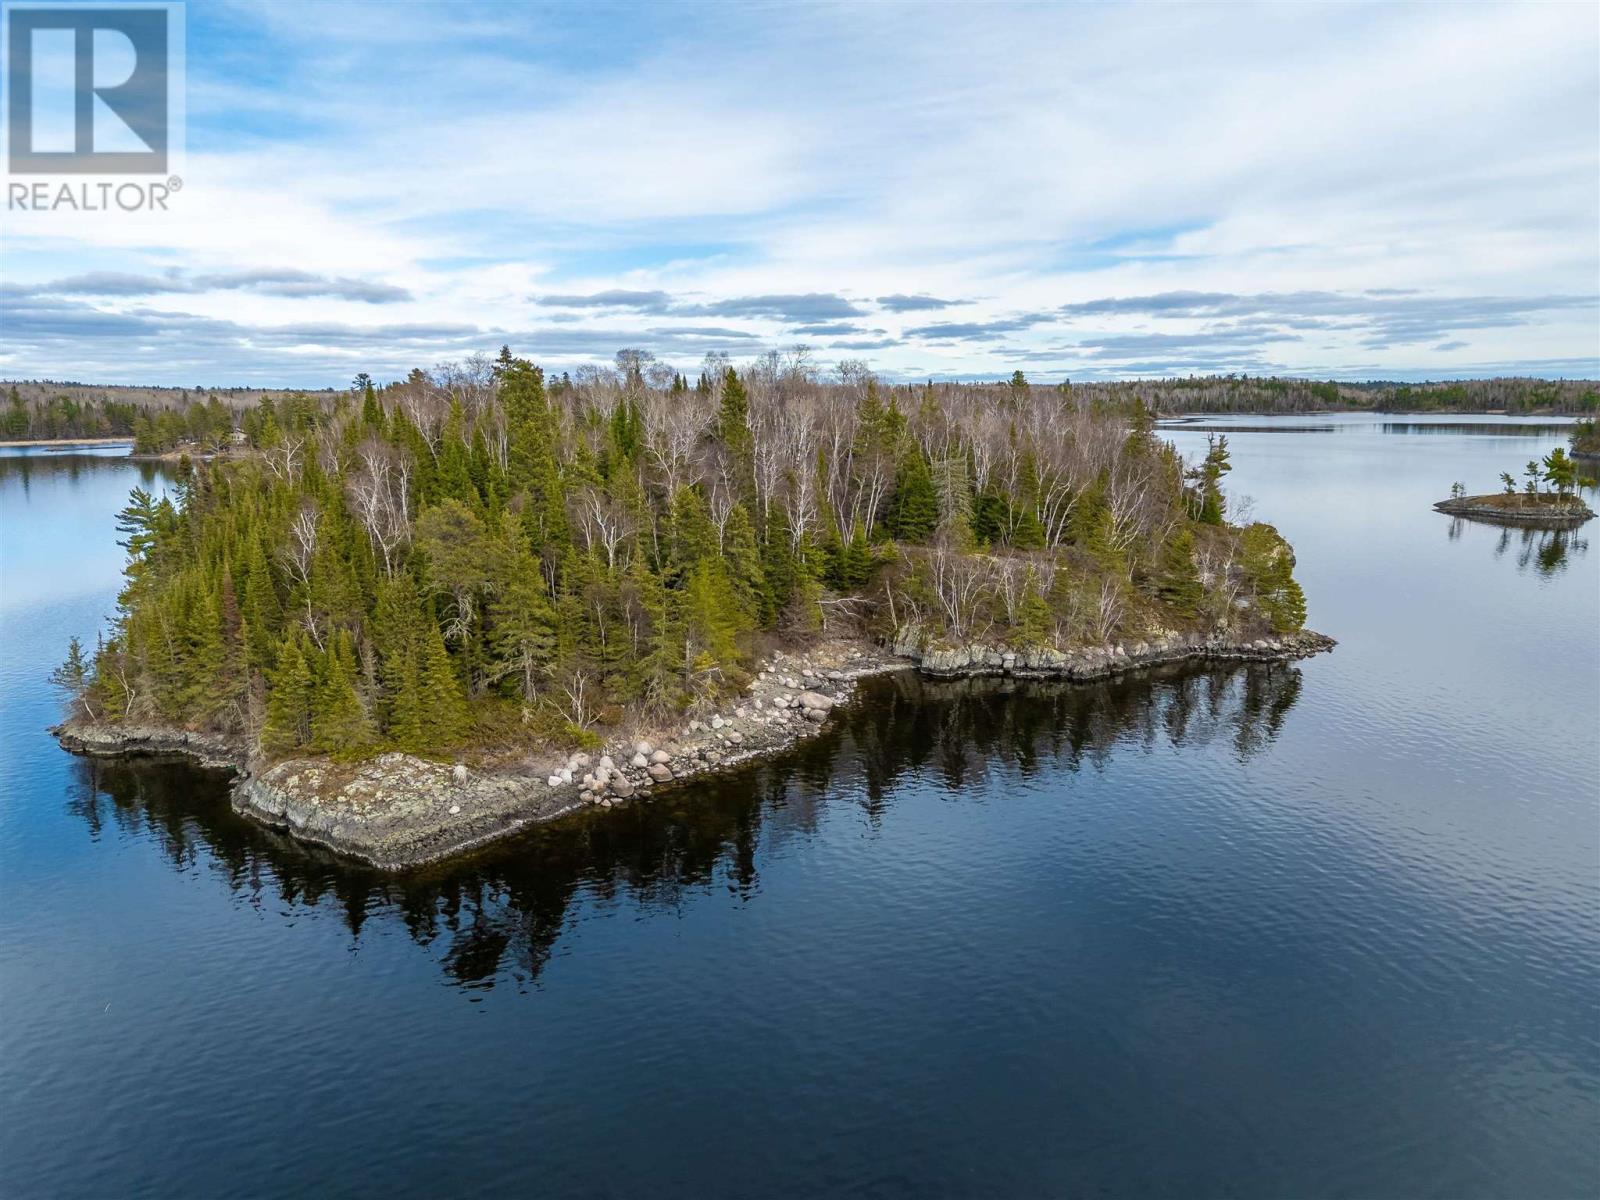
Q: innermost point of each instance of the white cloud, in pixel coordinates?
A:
(1008, 160)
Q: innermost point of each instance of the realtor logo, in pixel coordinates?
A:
(89, 90)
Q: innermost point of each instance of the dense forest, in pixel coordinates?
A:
(203, 422)
(476, 558)
(62, 416)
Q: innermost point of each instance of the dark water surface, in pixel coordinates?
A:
(1322, 930)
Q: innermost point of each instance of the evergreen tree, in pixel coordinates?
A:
(339, 721)
(855, 560)
(443, 703)
(914, 507)
(521, 618)
(288, 723)
(1269, 564)
(1178, 581)
(742, 554)
(733, 430)
(1209, 478)
(262, 613)
(72, 677)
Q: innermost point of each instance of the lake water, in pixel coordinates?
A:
(1322, 930)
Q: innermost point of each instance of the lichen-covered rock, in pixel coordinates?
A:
(396, 810)
(1094, 662)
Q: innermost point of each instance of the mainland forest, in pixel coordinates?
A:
(162, 420)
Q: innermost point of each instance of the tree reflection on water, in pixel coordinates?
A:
(496, 916)
(1544, 551)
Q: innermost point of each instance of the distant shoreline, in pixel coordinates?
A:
(107, 441)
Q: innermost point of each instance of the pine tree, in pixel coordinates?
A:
(1210, 473)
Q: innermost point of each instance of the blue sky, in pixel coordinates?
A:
(1355, 191)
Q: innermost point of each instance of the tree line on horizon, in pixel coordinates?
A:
(478, 556)
(160, 420)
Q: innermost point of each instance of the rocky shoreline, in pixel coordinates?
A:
(1046, 662)
(397, 811)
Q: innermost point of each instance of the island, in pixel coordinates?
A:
(413, 618)
(1548, 497)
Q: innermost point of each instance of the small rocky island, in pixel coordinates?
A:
(1544, 512)
(1547, 499)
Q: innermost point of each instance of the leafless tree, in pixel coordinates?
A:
(284, 458)
(298, 555)
(604, 521)
(377, 491)
(674, 428)
(1109, 607)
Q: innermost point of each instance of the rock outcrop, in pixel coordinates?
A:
(1504, 509)
(131, 740)
(397, 810)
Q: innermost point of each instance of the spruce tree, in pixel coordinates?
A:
(1177, 580)
(742, 554)
(522, 628)
(855, 560)
(733, 430)
(288, 723)
(443, 703)
(914, 507)
(262, 612)
(339, 721)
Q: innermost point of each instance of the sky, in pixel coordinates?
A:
(1352, 191)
